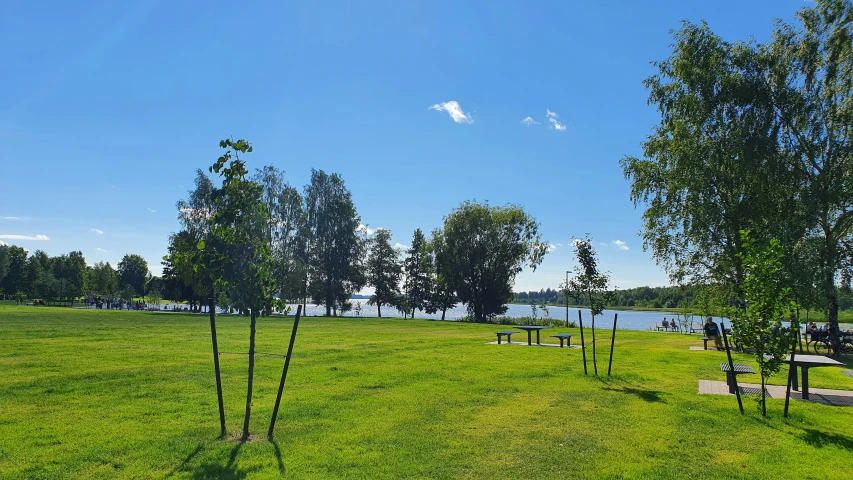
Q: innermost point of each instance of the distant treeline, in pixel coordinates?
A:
(650, 297)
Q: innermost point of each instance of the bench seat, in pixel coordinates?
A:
(507, 334)
(564, 336)
(740, 369)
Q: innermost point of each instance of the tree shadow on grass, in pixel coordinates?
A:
(215, 470)
(186, 460)
(820, 439)
(643, 394)
(277, 455)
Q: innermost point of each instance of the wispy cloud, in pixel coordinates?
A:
(552, 247)
(365, 229)
(454, 110)
(25, 237)
(529, 121)
(552, 117)
(99, 232)
(100, 249)
(15, 218)
(151, 210)
(622, 245)
(400, 246)
(2, 243)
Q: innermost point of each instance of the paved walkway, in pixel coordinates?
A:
(818, 395)
(504, 342)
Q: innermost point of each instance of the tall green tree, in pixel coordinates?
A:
(37, 263)
(441, 295)
(590, 284)
(384, 270)
(333, 245)
(713, 166)
(103, 279)
(133, 271)
(810, 77)
(485, 247)
(284, 232)
(14, 281)
(238, 233)
(418, 267)
(4, 264)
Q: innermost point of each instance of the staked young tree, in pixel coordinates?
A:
(241, 253)
(384, 271)
(334, 250)
(591, 285)
(418, 267)
(484, 249)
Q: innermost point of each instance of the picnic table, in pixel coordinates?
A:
(805, 362)
(530, 328)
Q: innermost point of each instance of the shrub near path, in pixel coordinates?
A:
(104, 394)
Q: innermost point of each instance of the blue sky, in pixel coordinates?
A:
(108, 108)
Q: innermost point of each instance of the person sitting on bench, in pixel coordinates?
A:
(665, 324)
(712, 332)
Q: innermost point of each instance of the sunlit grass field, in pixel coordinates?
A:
(107, 394)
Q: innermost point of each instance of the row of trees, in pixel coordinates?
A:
(754, 137)
(317, 250)
(66, 277)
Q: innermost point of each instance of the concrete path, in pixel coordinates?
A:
(818, 395)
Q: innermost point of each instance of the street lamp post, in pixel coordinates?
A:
(566, 291)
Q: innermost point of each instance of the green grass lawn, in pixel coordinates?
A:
(107, 394)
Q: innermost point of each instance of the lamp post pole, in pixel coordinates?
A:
(566, 291)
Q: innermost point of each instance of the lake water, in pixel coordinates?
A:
(628, 320)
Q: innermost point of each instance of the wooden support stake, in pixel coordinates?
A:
(583, 344)
(284, 372)
(792, 376)
(731, 366)
(216, 366)
(612, 342)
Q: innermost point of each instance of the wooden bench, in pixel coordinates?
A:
(564, 336)
(507, 334)
(659, 327)
(697, 328)
(740, 369)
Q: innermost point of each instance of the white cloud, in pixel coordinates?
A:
(552, 117)
(100, 249)
(366, 230)
(152, 210)
(575, 242)
(99, 232)
(552, 247)
(529, 121)
(25, 237)
(401, 246)
(622, 245)
(454, 110)
(2, 243)
(14, 218)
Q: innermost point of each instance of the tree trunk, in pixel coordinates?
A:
(251, 376)
(443, 311)
(379, 309)
(830, 294)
